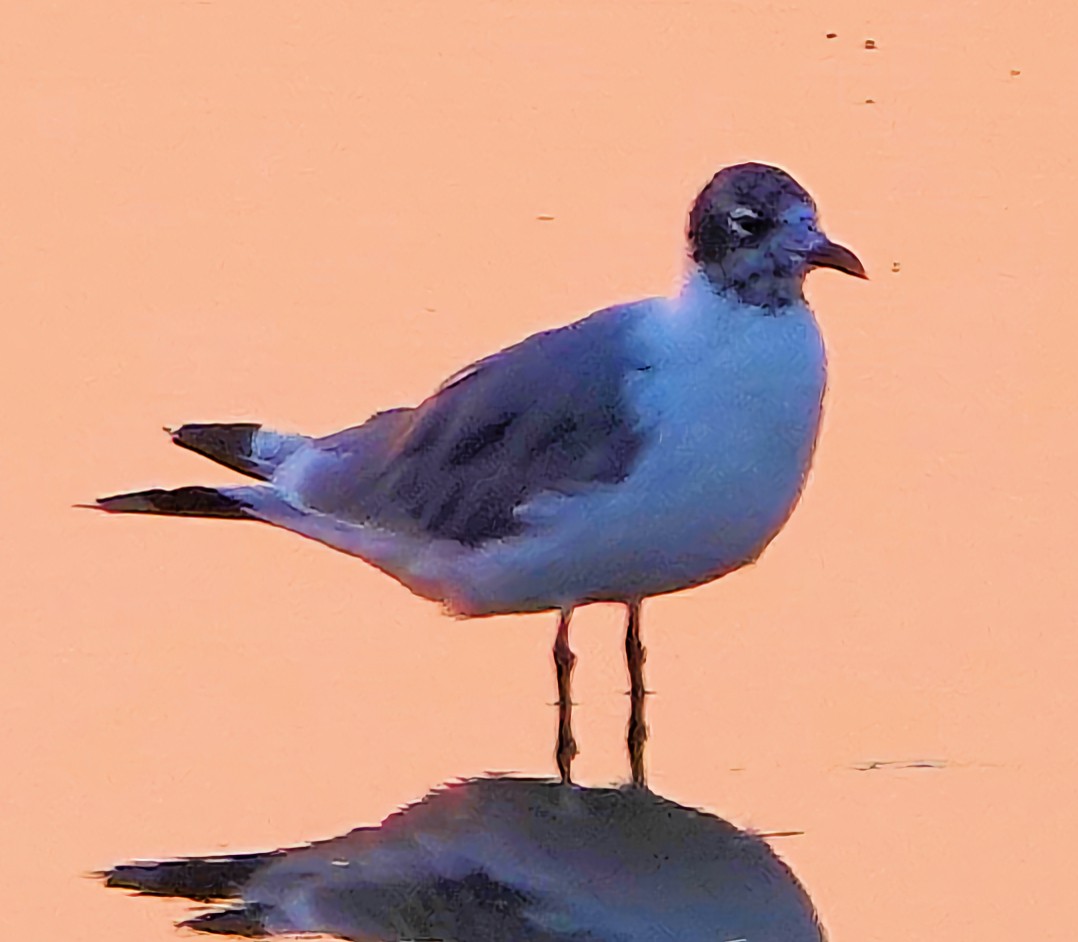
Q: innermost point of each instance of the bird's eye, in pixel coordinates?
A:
(747, 222)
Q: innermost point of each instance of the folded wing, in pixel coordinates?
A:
(550, 413)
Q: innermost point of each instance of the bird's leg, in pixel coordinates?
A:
(564, 659)
(638, 730)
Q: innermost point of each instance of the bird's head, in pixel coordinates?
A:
(753, 231)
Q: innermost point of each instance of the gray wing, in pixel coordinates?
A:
(549, 413)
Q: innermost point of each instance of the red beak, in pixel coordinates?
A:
(832, 255)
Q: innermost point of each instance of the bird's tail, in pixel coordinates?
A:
(242, 446)
(181, 502)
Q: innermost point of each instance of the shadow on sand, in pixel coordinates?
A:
(505, 860)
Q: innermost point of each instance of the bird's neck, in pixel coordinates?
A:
(773, 291)
(721, 310)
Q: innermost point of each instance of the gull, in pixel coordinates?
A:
(651, 447)
(495, 859)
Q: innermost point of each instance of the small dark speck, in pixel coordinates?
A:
(544, 218)
(870, 44)
(896, 266)
(1016, 71)
(832, 35)
(429, 310)
(878, 764)
(870, 101)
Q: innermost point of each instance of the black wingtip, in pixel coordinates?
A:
(203, 879)
(247, 922)
(131, 877)
(133, 503)
(180, 502)
(229, 444)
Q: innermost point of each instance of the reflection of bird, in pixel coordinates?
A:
(494, 860)
(650, 447)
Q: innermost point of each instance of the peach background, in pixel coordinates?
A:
(302, 213)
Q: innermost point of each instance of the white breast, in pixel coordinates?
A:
(731, 410)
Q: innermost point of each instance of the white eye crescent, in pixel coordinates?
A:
(742, 212)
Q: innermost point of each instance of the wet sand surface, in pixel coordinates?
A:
(303, 214)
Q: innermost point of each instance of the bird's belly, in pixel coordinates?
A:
(726, 460)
